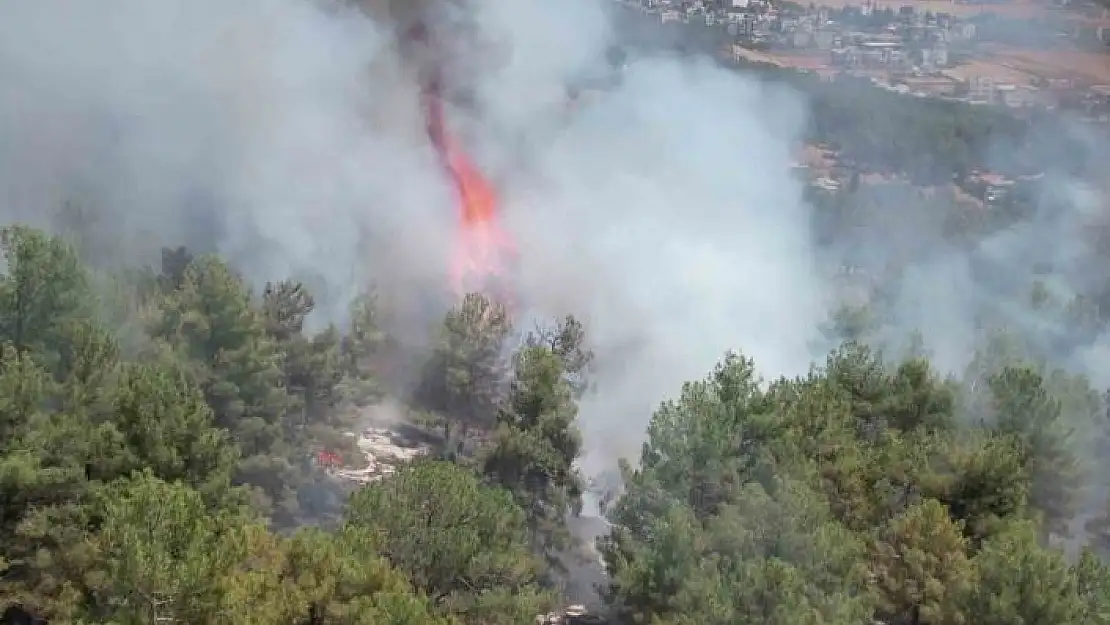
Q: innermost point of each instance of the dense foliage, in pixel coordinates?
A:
(863, 490)
(159, 432)
(156, 465)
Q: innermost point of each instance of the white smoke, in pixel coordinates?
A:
(286, 136)
(662, 211)
(678, 231)
(245, 126)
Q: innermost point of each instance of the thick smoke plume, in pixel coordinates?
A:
(286, 135)
(665, 213)
(661, 210)
(244, 128)
(1020, 278)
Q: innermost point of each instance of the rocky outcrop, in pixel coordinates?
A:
(384, 449)
(572, 615)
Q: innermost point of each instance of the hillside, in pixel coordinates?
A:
(238, 384)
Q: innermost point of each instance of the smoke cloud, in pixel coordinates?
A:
(244, 128)
(665, 215)
(285, 134)
(661, 211)
(1020, 278)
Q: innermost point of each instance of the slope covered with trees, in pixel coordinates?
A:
(863, 490)
(159, 430)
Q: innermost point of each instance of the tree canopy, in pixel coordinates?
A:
(161, 431)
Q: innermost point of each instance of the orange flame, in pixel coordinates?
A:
(483, 250)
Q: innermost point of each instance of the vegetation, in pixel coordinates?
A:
(861, 490)
(158, 437)
(166, 475)
(160, 430)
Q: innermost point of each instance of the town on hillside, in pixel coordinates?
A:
(1053, 54)
(1017, 67)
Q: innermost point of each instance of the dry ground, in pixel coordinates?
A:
(799, 60)
(1023, 67)
(1015, 8)
(1091, 67)
(997, 71)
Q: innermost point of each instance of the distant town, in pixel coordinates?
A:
(1020, 55)
(1016, 53)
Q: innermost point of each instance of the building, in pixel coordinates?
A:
(824, 39)
(981, 90)
(925, 59)
(940, 54)
(872, 55)
(963, 31)
(930, 86)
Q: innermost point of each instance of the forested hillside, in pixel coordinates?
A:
(157, 459)
(156, 467)
(169, 430)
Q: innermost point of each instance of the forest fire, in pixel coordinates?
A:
(484, 253)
